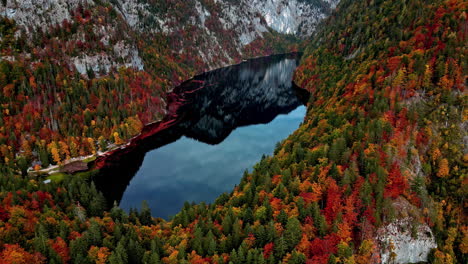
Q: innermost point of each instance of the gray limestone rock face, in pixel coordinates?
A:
(404, 241)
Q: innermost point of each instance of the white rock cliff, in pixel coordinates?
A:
(248, 19)
(404, 241)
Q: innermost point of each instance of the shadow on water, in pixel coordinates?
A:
(254, 92)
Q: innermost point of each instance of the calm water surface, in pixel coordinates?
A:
(224, 129)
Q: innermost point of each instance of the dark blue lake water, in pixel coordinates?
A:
(224, 129)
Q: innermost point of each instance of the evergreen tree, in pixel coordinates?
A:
(117, 213)
(23, 165)
(145, 214)
(250, 257)
(281, 247)
(248, 216)
(319, 220)
(119, 255)
(134, 251)
(44, 157)
(366, 191)
(236, 234)
(40, 240)
(293, 233)
(78, 249)
(297, 258)
(157, 246)
(197, 241)
(282, 218)
(154, 258)
(280, 191)
(93, 234)
(271, 232)
(241, 255)
(332, 259)
(233, 258)
(227, 222)
(211, 244)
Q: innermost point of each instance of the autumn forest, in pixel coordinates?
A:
(383, 145)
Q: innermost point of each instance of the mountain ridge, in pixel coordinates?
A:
(245, 20)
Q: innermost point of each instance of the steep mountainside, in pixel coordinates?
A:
(206, 23)
(388, 109)
(88, 74)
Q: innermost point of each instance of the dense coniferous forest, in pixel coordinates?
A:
(384, 140)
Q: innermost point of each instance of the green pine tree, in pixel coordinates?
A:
(293, 233)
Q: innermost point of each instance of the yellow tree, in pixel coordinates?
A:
(26, 148)
(427, 77)
(444, 169)
(445, 82)
(99, 255)
(54, 150)
(365, 252)
(464, 242)
(400, 78)
(436, 154)
(92, 146)
(117, 138)
(65, 151)
(73, 147)
(134, 125)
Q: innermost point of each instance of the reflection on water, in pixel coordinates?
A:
(225, 128)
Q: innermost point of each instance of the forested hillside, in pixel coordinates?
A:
(376, 173)
(389, 108)
(80, 76)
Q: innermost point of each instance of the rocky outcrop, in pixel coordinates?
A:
(40, 13)
(243, 21)
(246, 17)
(220, 28)
(297, 17)
(33, 16)
(405, 241)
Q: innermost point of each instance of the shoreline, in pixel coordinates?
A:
(175, 99)
(97, 161)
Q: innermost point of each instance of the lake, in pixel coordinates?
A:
(233, 117)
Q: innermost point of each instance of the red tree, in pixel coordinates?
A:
(333, 201)
(396, 183)
(268, 249)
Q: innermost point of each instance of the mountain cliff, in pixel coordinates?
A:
(220, 29)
